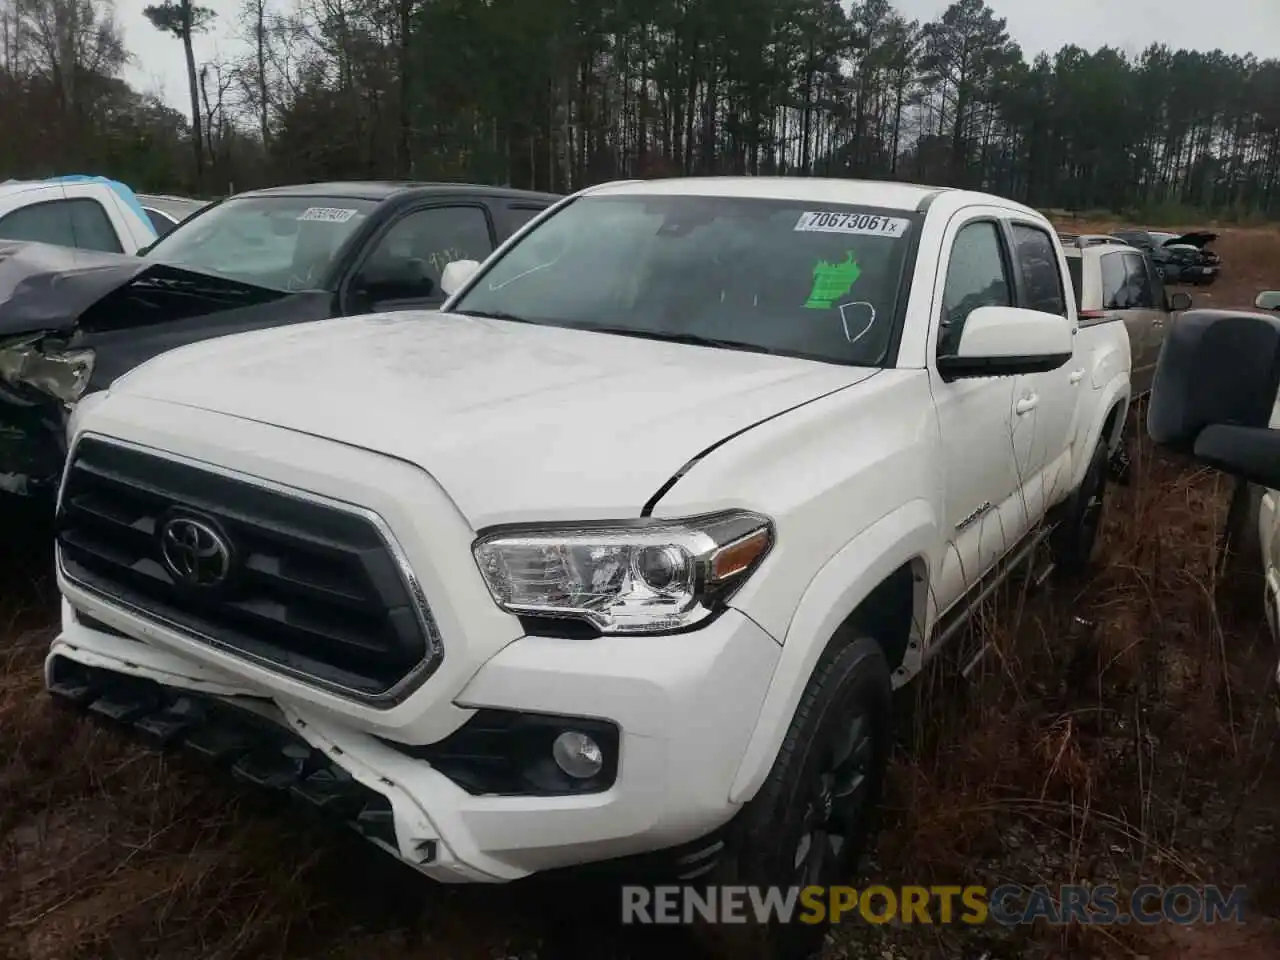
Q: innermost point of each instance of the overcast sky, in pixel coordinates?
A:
(1235, 26)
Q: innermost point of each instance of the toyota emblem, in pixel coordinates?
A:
(195, 552)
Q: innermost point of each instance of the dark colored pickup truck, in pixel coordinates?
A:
(72, 321)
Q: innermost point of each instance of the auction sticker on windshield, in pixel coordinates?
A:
(862, 224)
(327, 214)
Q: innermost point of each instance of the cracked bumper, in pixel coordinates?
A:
(678, 754)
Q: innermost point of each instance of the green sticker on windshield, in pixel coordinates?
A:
(832, 281)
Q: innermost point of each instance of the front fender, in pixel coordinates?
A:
(906, 535)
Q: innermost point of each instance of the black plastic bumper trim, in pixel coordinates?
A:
(255, 749)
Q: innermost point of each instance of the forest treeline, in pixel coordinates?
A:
(559, 94)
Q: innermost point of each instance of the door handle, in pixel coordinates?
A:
(1158, 322)
(1026, 404)
(1077, 376)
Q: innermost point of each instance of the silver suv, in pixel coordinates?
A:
(1116, 281)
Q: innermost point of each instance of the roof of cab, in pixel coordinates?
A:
(877, 193)
(871, 193)
(379, 190)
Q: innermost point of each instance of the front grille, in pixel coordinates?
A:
(308, 587)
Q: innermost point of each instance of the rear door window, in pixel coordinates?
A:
(1037, 262)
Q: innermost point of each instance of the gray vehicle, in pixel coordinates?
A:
(1115, 280)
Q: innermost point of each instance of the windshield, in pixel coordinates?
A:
(798, 279)
(285, 243)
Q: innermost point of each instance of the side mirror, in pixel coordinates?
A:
(456, 274)
(1179, 301)
(1214, 395)
(1268, 300)
(380, 281)
(1006, 341)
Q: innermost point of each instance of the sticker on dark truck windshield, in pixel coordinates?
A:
(327, 214)
(862, 224)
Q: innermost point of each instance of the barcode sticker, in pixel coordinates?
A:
(862, 224)
(327, 214)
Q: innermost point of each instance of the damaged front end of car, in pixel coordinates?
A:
(42, 291)
(41, 378)
(72, 321)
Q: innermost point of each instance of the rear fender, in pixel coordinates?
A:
(1110, 360)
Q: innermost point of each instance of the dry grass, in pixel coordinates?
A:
(1120, 732)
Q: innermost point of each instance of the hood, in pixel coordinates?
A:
(1197, 238)
(44, 289)
(52, 290)
(516, 422)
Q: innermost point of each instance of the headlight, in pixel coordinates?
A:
(63, 376)
(642, 576)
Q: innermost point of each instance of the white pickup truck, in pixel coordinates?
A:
(85, 213)
(624, 550)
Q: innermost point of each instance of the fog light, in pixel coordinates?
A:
(577, 755)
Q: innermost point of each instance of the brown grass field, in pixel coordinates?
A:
(1120, 734)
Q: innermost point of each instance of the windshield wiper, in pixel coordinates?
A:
(694, 339)
(493, 315)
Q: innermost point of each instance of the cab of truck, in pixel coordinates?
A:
(80, 212)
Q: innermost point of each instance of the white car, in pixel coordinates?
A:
(86, 213)
(622, 552)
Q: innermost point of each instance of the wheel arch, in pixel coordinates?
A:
(877, 584)
(1107, 428)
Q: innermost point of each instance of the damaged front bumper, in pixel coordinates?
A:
(661, 814)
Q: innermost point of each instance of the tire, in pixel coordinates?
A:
(778, 838)
(1076, 539)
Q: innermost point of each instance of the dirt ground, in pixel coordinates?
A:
(1120, 732)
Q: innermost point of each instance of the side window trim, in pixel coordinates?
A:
(1002, 243)
(371, 244)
